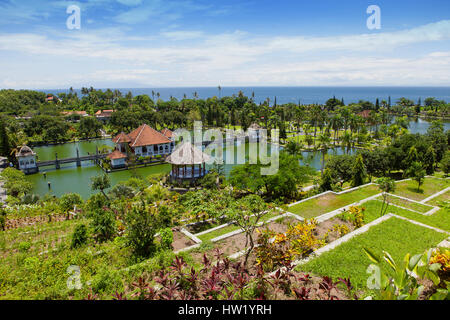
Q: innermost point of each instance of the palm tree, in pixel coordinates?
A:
(324, 145)
(347, 141)
(336, 124)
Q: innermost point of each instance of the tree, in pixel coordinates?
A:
(429, 159)
(341, 167)
(5, 144)
(68, 201)
(359, 172)
(417, 173)
(445, 163)
(293, 148)
(15, 182)
(142, 226)
(324, 145)
(327, 181)
(89, 127)
(101, 183)
(386, 185)
(247, 214)
(283, 184)
(121, 190)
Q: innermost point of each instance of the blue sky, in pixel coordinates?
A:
(165, 43)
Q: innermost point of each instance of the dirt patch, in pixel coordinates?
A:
(32, 221)
(237, 242)
(325, 200)
(327, 227)
(180, 241)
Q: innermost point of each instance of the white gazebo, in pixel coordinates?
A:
(26, 158)
(188, 162)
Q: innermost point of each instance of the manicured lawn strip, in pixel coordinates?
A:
(396, 236)
(408, 204)
(330, 202)
(213, 234)
(440, 219)
(438, 200)
(408, 189)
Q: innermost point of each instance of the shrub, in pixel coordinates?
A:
(79, 236)
(95, 203)
(3, 218)
(141, 229)
(107, 280)
(275, 250)
(104, 224)
(355, 215)
(442, 257)
(166, 238)
(24, 246)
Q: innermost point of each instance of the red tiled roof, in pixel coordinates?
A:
(121, 138)
(364, 114)
(81, 113)
(104, 113)
(167, 133)
(116, 154)
(146, 136)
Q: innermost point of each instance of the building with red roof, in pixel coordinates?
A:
(145, 142)
(118, 159)
(104, 115)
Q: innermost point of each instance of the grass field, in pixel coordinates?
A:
(330, 202)
(440, 219)
(214, 234)
(396, 236)
(440, 199)
(431, 186)
(408, 204)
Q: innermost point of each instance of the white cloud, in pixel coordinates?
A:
(236, 58)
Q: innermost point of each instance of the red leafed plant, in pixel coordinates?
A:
(226, 280)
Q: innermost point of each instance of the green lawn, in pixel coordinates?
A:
(396, 236)
(330, 202)
(216, 233)
(408, 204)
(431, 186)
(438, 200)
(440, 219)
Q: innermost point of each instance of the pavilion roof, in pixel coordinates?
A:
(187, 154)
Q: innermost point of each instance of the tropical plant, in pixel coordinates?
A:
(386, 185)
(404, 283)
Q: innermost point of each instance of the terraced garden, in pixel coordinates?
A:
(396, 236)
(331, 201)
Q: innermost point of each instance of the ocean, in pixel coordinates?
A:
(304, 95)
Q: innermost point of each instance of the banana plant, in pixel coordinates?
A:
(402, 282)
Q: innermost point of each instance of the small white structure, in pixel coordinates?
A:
(27, 160)
(254, 132)
(188, 162)
(118, 159)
